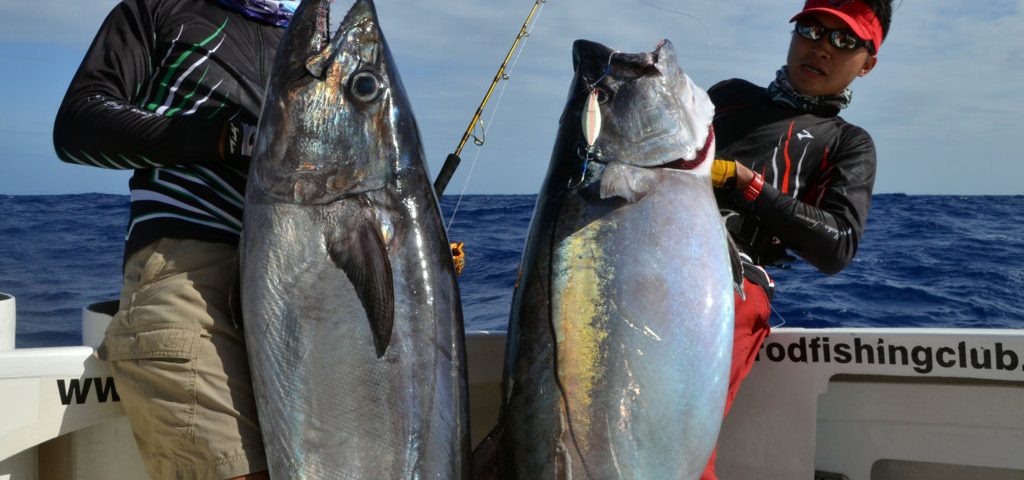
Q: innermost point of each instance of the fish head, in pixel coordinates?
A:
(638, 112)
(335, 117)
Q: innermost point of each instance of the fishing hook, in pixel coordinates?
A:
(587, 153)
(607, 70)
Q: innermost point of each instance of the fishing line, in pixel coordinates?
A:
(589, 87)
(703, 26)
(497, 106)
(607, 69)
(777, 314)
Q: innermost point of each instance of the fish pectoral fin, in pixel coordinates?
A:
(737, 266)
(626, 181)
(363, 256)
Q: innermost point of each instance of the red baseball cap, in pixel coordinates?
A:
(854, 13)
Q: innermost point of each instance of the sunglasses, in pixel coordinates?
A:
(841, 39)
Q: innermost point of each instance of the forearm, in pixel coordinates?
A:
(827, 238)
(108, 132)
(100, 121)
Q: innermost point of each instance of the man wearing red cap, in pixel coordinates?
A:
(792, 174)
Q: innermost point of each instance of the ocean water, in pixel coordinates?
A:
(925, 261)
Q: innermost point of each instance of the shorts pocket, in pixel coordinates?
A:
(158, 342)
(155, 371)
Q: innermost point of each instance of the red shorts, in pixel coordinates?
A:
(751, 329)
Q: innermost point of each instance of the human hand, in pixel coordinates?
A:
(458, 256)
(723, 173)
(237, 141)
(729, 174)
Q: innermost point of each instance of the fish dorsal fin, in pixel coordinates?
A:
(362, 254)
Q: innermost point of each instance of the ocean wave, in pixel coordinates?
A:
(925, 261)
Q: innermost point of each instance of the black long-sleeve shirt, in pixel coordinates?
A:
(154, 93)
(819, 172)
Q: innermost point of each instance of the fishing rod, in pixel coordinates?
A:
(453, 160)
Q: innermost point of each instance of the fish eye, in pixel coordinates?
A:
(603, 95)
(365, 86)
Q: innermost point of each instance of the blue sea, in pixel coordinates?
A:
(925, 261)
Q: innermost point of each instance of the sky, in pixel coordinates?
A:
(943, 105)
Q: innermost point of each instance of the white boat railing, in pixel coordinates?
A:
(61, 414)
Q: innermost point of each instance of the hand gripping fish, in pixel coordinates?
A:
(351, 309)
(620, 333)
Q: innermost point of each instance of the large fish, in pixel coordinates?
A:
(620, 334)
(351, 310)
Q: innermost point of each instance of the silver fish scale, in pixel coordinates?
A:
(352, 320)
(620, 334)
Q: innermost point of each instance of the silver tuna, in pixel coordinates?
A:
(620, 333)
(350, 304)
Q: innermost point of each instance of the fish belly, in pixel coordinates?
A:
(329, 408)
(636, 361)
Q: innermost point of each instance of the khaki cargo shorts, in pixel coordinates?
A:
(179, 363)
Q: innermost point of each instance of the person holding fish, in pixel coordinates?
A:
(172, 89)
(790, 173)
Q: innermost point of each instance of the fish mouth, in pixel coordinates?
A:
(640, 108)
(681, 163)
(330, 99)
(309, 37)
(601, 60)
(362, 14)
(322, 33)
(632, 183)
(698, 159)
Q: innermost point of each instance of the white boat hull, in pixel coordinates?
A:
(876, 404)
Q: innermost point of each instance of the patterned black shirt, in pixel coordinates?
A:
(819, 172)
(154, 94)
